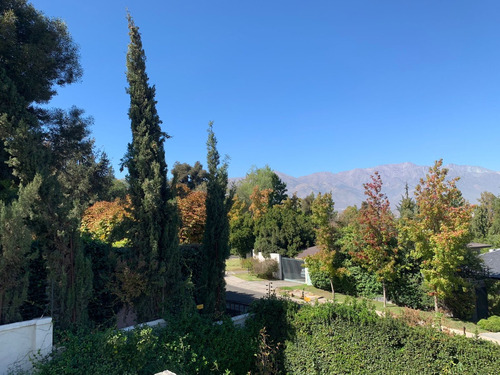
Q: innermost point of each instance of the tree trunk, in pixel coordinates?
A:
(436, 303)
(333, 290)
(385, 294)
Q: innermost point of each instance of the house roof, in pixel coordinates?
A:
(492, 261)
(309, 251)
(477, 245)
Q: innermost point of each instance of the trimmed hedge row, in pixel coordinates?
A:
(340, 339)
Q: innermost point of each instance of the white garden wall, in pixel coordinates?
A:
(21, 341)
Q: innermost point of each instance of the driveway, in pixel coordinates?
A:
(243, 291)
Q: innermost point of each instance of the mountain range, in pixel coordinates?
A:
(347, 187)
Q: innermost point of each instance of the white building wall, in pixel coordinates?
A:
(20, 342)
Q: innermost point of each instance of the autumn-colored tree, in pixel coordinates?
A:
(441, 230)
(329, 256)
(259, 202)
(193, 215)
(104, 220)
(378, 247)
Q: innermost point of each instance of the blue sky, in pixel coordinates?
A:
(304, 86)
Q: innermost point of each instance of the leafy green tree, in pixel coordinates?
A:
(262, 178)
(441, 230)
(192, 176)
(37, 52)
(407, 288)
(283, 229)
(216, 235)
(155, 224)
(306, 204)
(15, 244)
(322, 217)
(378, 247)
(36, 55)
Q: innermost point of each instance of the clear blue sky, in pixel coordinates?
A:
(304, 86)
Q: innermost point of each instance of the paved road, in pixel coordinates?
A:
(242, 291)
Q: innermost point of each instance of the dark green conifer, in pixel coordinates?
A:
(154, 230)
(216, 237)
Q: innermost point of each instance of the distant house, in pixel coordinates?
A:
(478, 246)
(491, 260)
(307, 252)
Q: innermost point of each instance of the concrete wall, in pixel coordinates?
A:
(21, 341)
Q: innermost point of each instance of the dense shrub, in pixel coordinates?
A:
(493, 287)
(280, 337)
(340, 339)
(410, 291)
(264, 269)
(491, 324)
(357, 281)
(188, 345)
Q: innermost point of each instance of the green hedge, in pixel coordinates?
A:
(188, 345)
(491, 324)
(352, 339)
(282, 337)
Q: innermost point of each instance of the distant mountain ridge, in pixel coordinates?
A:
(347, 187)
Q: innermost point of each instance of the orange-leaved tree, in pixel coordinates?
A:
(104, 220)
(193, 214)
(441, 230)
(378, 246)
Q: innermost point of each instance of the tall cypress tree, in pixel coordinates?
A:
(154, 231)
(216, 236)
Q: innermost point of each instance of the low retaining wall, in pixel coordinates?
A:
(21, 341)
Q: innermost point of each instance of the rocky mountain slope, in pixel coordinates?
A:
(347, 187)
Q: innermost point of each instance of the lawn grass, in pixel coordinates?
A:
(392, 309)
(234, 264)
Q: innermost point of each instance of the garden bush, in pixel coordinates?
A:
(189, 344)
(491, 324)
(265, 269)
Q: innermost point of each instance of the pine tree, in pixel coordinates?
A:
(216, 236)
(154, 230)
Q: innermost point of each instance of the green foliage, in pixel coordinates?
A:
(194, 177)
(409, 290)
(332, 339)
(103, 305)
(37, 51)
(283, 229)
(155, 224)
(15, 246)
(257, 177)
(440, 231)
(241, 234)
(378, 249)
(188, 345)
(491, 324)
(493, 287)
(216, 235)
(192, 267)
